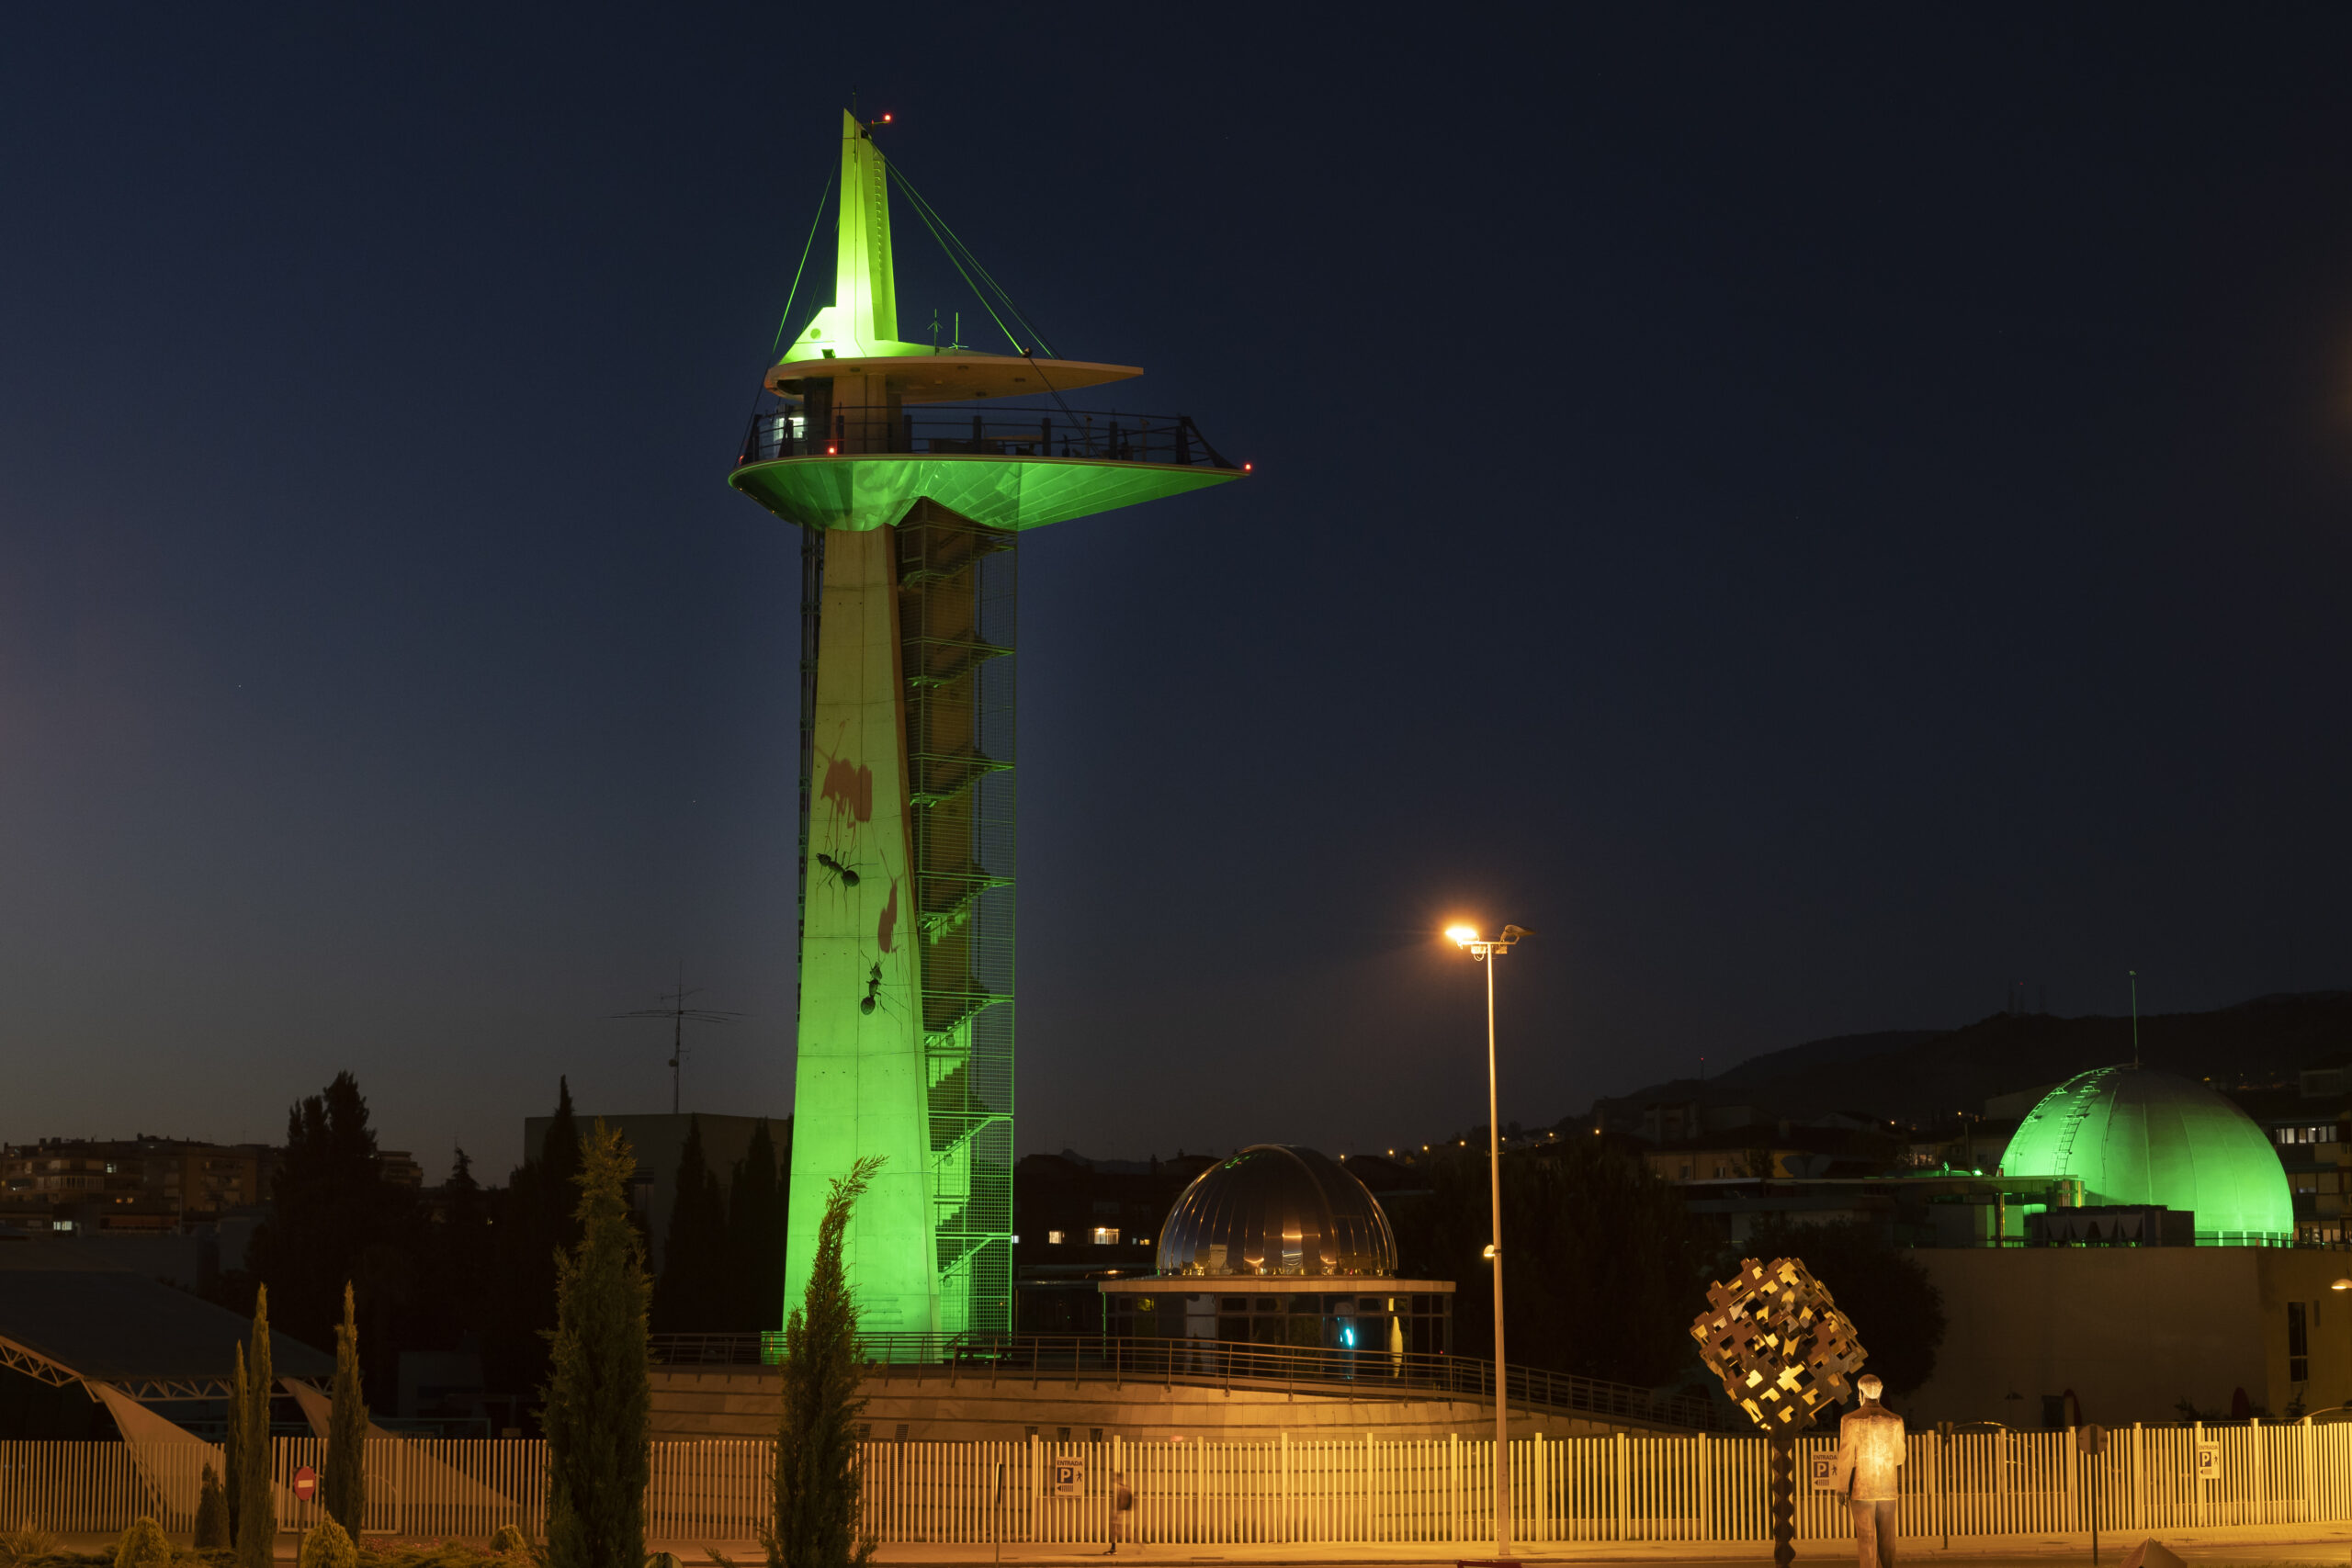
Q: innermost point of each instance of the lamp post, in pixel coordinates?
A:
(1486, 951)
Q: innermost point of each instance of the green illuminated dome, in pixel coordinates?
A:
(2135, 1136)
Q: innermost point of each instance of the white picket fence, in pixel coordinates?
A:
(1609, 1489)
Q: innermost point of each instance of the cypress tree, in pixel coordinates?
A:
(599, 1396)
(691, 1295)
(233, 1447)
(817, 1479)
(257, 1503)
(755, 1236)
(211, 1512)
(559, 1157)
(344, 1487)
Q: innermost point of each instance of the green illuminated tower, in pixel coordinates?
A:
(910, 514)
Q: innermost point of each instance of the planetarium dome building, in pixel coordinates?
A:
(2136, 1138)
(1281, 1245)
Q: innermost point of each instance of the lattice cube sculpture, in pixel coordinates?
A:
(1777, 1339)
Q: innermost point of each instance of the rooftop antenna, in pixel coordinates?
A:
(677, 1012)
(2135, 1016)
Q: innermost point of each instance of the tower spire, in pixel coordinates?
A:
(862, 320)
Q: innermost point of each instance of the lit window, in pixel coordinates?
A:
(1107, 1235)
(1053, 1238)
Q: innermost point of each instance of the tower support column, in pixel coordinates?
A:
(860, 1087)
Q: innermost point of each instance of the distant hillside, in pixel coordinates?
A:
(1912, 1075)
(1832, 1052)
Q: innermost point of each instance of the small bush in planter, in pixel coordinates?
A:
(326, 1546)
(142, 1546)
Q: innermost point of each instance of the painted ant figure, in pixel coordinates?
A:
(842, 873)
(872, 990)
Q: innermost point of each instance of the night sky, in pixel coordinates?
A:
(1822, 514)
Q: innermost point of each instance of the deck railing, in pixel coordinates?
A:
(999, 433)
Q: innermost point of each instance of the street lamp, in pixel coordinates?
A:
(1486, 951)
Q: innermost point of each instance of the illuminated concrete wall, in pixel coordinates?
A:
(860, 1087)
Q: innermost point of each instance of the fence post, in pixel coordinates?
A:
(1454, 1485)
(2259, 1463)
(2310, 1476)
(1282, 1488)
(2074, 1458)
(2196, 1482)
(1539, 1517)
(1706, 1482)
(1624, 1513)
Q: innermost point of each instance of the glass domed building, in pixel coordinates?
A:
(2138, 1137)
(1281, 1245)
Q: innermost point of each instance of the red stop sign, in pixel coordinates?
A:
(306, 1484)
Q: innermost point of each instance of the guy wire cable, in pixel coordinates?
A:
(953, 260)
(952, 243)
(795, 292)
(807, 247)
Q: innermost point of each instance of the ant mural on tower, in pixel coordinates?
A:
(849, 854)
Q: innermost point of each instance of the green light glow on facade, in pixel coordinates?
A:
(862, 320)
(907, 888)
(861, 493)
(2135, 1136)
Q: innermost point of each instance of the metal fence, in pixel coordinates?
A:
(1622, 1488)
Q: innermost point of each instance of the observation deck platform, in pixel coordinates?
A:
(1013, 468)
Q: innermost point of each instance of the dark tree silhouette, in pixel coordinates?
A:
(337, 1220)
(694, 1293)
(532, 1221)
(755, 1219)
(1600, 1261)
(1896, 1309)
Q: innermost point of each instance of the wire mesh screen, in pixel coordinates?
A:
(956, 610)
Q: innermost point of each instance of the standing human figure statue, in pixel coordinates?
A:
(1123, 1498)
(1869, 1472)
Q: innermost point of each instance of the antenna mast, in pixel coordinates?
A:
(678, 1013)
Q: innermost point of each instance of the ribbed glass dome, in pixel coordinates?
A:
(2135, 1135)
(1272, 1208)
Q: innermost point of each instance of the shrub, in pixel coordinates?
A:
(211, 1512)
(25, 1545)
(509, 1538)
(326, 1546)
(142, 1546)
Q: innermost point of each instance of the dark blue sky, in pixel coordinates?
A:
(1820, 513)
